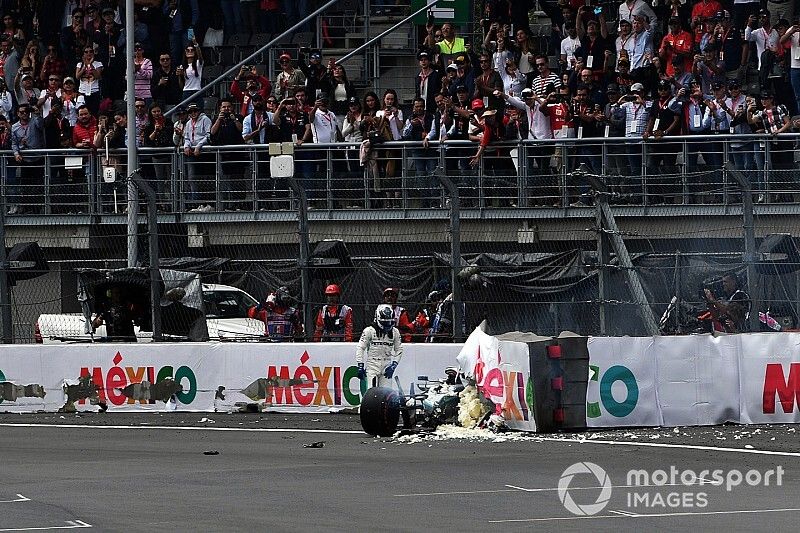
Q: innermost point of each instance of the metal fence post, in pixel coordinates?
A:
(5, 291)
(455, 255)
(303, 238)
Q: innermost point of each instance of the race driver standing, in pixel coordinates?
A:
(379, 349)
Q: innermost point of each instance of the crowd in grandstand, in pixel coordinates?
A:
(650, 70)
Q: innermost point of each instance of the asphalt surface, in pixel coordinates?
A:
(150, 472)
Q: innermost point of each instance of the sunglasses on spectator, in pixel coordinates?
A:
(88, 50)
(164, 58)
(53, 79)
(190, 49)
(139, 105)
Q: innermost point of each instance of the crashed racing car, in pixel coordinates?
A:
(436, 403)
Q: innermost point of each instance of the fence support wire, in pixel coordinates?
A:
(749, 256)
(609, 224)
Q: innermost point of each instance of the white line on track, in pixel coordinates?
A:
(20, 498)
(71, 524)
(677, 446)
(623, 514)
(514, 488)
(190, 428)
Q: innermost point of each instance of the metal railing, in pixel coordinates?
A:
(404, 175)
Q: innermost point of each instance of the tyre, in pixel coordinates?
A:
(380, 411)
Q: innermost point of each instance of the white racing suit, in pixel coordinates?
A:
(379, 349)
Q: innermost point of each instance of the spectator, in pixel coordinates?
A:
(72, 100)
(630, 9)
(513, 80)
(313, 70)
(501, 50)
(196, 133)
(84, 133)
(30, 59)
(709, 69)
(465, 75)
(338, 89)
(10, 28)
(538, 127)
(6, 101)
(182, 116)
(353, 134)
(294, 126)
(89, 72)
(449, 47)
(544, 78)
(57, 135)
(642, 44)
(106, 36)
(525, 54)
(663, 123)
(50, 93)
(765, 37)
(191, 72)
(772, 120)
(254, 84)
(142, 119)
(792, 38)
(588, 120)
(227, 131)
(594, 45)
(637, 115)
(143, 74)
(28, 134)
(416, 129)
(52, 65)
(25, 91)
(677, 43)
(704, 11)
(165, 85)
(742, 151)
(12, 190)
(182, 14)
(569, 44)
(289, 79)
(428, 82)
(487, 83)
(625, 40)
(392, 117)
(158, 134)
(734, 49)
(74, 38)
(258, 128)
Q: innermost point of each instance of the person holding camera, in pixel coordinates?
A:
(289, 79)
(165, 86)
(227, 131)
(196, 134)
(28, 134)
(731, 311)
(254, 84)
(425, 160)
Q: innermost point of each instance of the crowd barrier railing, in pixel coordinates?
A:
(405, 175)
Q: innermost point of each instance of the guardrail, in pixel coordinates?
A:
(404, 175)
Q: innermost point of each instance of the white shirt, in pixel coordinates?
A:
(193, 79)
(395, 124)
(568, 47)
(538, 122)
(795, 51)
(324, 126)
(89, 87)
(638, 7)
(764, 39)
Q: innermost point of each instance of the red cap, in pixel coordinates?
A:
(477, 104)
(285, 56)
(333, 289)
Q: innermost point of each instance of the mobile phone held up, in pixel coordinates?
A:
(190, 34)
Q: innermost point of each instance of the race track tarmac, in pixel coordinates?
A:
(152, 472)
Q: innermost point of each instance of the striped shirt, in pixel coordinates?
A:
(636, 117)
(540, 83)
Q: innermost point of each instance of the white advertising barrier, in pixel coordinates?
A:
(697, 379)
(622, 383)
(502, 370)
(769, 370)
(202, 368)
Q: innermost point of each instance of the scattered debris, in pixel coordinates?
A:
(319, 444)
(211, 452)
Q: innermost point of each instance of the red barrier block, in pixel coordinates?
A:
(557, 383)
(558, 415)
(554, 352)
